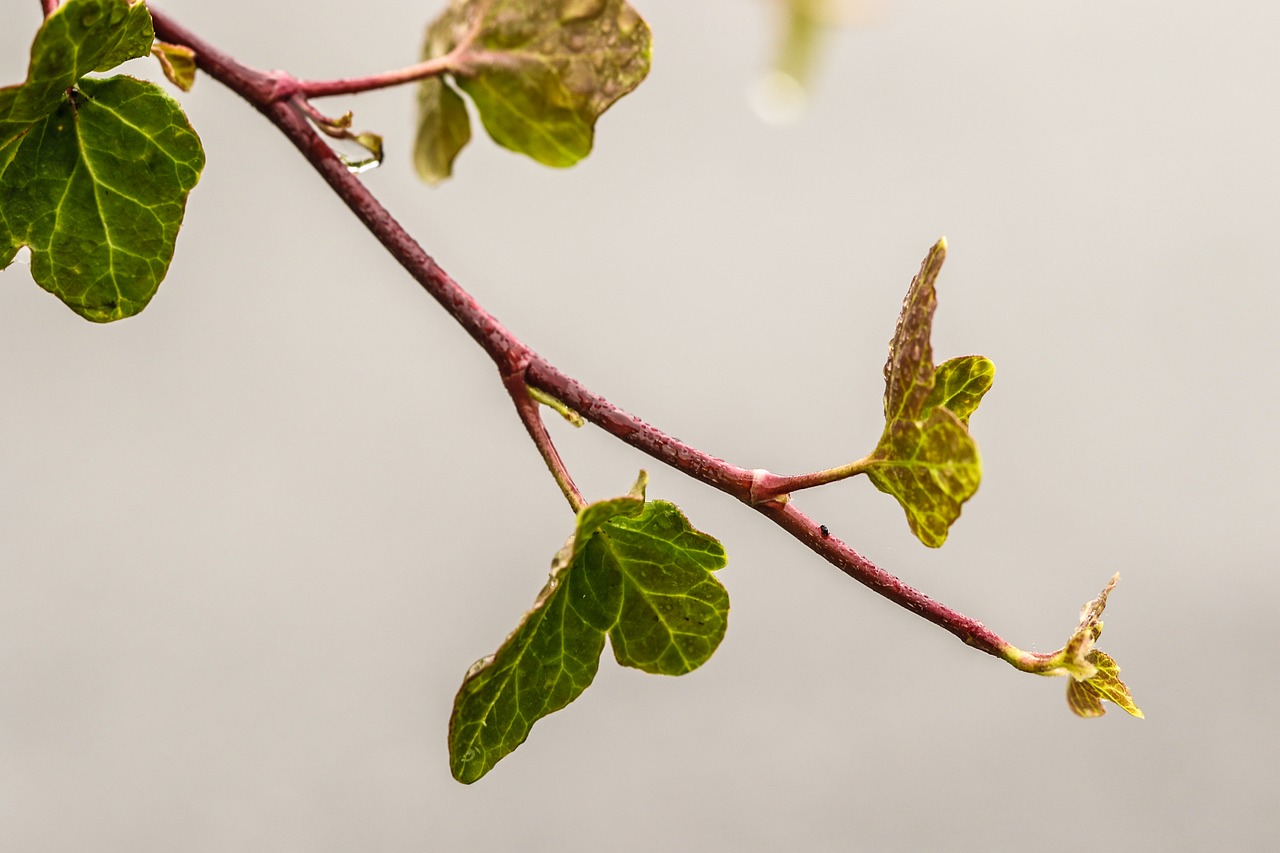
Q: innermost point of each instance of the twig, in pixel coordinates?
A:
(531, 416)
(515, 361)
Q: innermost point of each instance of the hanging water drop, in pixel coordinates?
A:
(357, 167)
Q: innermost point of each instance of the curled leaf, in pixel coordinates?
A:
(178, 62)
(444, 129)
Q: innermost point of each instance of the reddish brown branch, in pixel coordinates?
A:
(273, 95)
(531, 416)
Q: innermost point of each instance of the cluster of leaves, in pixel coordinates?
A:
(94, 173)
(1094, 675)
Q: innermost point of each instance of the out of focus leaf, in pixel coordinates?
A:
(540, 74)
(178, 62)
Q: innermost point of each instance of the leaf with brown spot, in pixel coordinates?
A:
(539, 73)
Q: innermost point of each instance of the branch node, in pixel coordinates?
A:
(762, 481)
(281, 86)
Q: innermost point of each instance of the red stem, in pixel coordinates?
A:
(352, 85)
(531, 416)
(517, 363)
(49, 6)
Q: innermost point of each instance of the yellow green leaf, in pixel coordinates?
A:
(926, 457)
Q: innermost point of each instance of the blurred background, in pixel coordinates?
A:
(251, 540)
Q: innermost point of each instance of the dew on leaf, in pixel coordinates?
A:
(359, 167)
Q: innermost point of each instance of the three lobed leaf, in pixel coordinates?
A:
(926, 457)
(633, 570)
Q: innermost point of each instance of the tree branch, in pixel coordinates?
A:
(516, 362)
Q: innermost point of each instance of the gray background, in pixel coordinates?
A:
(251, 540)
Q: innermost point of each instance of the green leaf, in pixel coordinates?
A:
(925, 457)
(1085, 697)
(959, 383)
(539, 73)
(805, 23)
(674, 613)
(931, 467)
(1094, 675)
(94, 173)
(633, 570)
(443, 130)
(81, 36)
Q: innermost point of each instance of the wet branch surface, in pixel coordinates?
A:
(283, 103)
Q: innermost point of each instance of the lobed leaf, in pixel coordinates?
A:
(674, 612)
(926, 457)
(633, 570)
(959, 383)
(1085, 697)
(94, 173)
(539, 73)
(931, 467)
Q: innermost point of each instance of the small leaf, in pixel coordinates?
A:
(1092, 674)
(959, 383)
(1080, 644)
(633, 570)
(1085, 697)
(444, 129)
(926, 458)
(539, 73)
(178, 62)
(94, 173)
